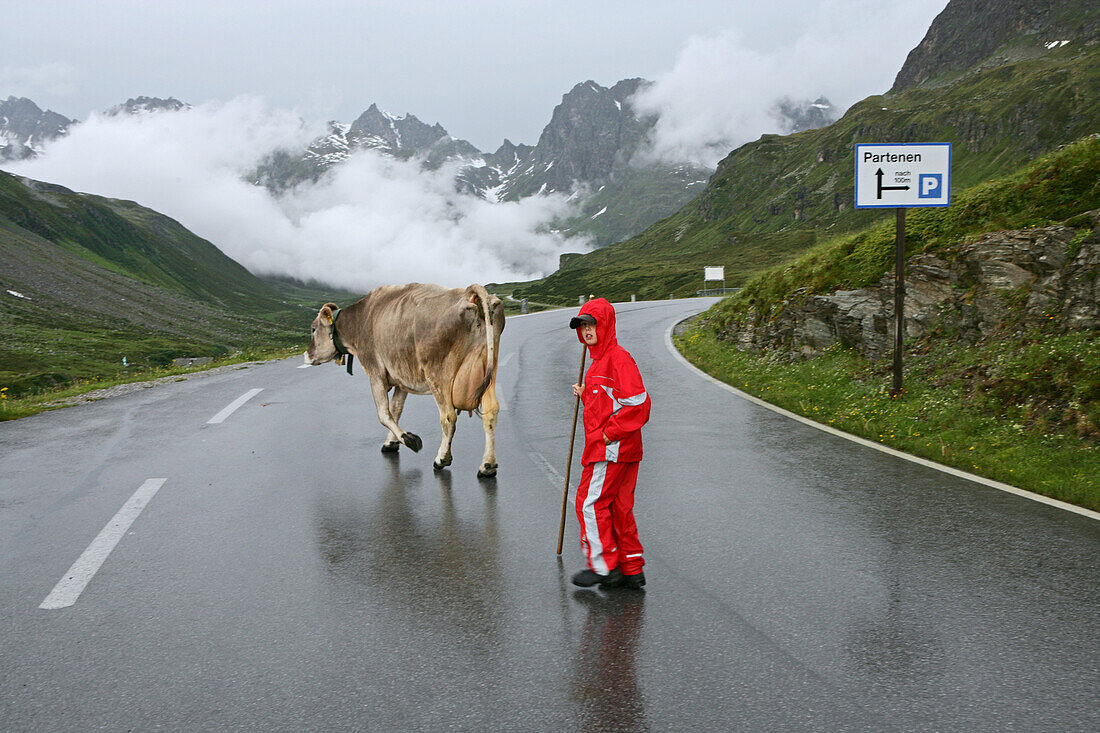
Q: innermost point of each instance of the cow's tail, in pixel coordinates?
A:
(478, 294)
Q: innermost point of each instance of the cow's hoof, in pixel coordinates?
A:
(487, 471)
(413, 441)
(390, 447)
(440, 465)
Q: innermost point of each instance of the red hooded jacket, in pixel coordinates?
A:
(614, 397)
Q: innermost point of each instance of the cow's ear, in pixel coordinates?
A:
(327, 311)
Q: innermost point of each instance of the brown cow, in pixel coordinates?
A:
(420, 339)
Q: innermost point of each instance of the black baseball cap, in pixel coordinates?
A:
(583, 318)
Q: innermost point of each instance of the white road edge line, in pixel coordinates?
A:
(870, 444)
(233, 406)
(69, 588)
(500, 365)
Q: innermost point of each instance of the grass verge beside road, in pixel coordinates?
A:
(993, 421)
(12, 408)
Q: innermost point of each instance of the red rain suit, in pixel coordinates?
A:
(616, 405)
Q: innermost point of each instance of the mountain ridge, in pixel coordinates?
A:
(25, 128)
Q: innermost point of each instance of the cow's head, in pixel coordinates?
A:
(322, 347)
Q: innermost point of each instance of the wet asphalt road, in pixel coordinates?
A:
(289, 576)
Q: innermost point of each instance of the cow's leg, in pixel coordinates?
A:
(448, 418)
(397, 406)
(382, 403)
(489, 410)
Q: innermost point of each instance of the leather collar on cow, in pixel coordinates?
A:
(345, 355)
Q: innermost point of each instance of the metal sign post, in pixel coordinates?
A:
(899, 299)
(900, 176)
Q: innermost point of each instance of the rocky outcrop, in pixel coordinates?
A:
(1018, 279)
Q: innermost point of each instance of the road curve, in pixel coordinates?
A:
(270, 569)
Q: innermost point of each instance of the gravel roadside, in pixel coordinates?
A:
(122, 389)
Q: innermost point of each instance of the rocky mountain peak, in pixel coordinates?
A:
(627, 88)
(25, 127)
(590, 132)
(147, 105)
(509, 151)
(406, 133)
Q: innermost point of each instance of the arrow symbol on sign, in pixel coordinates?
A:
(881, 188)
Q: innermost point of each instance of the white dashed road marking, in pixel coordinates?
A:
(69, 588)
(232, 407)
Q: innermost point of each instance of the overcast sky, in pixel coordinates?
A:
(266, 75)
(484, 69)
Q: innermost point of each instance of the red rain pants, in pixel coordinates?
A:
(605, 509)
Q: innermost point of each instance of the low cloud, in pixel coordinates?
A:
(369, 221)
(724, 87)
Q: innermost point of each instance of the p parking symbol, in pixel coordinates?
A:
(930, 185)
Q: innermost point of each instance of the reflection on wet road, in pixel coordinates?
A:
(441, 569)
(605, 675)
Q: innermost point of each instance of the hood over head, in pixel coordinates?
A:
(604, 313)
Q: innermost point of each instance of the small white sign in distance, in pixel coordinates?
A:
(714, 273)
(903, 175)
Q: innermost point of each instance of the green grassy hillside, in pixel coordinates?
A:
(87, 281)
(132, 240)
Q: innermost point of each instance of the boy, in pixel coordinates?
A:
(615, 408)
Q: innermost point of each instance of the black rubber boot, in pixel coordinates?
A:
(588, 578)
(612, 580)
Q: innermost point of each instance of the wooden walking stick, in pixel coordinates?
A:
(572, 439)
